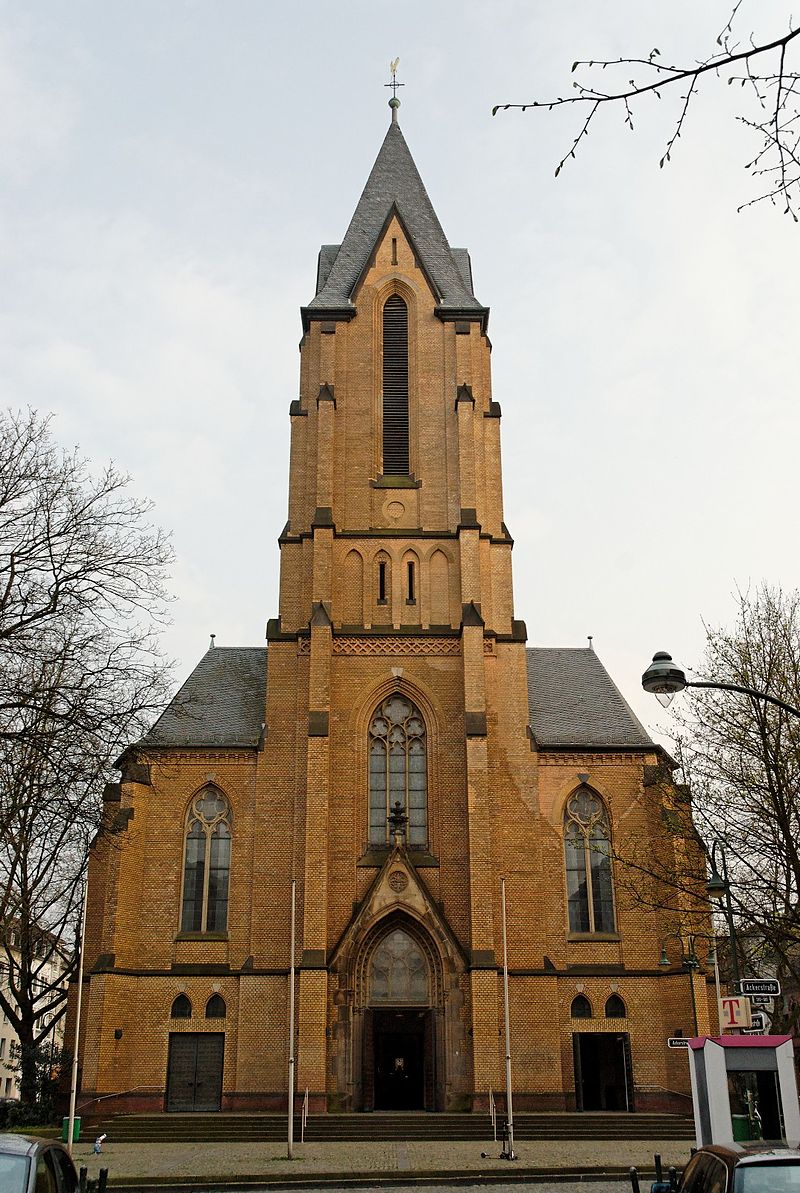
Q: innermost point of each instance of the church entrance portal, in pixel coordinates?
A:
(602, 1071)
(399, 1056)
(399, 1060)
(194, 1071)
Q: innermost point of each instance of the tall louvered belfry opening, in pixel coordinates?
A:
(395, 387)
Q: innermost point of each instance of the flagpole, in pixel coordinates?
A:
(73, 1089)
(510, 1155)
(290, 1124)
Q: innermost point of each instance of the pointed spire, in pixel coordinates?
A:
(394, 188)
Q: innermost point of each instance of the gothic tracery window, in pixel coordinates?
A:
(398, 770)
(399, 971)
(587, 847)
(207, 862)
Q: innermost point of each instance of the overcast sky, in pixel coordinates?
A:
(170, 168)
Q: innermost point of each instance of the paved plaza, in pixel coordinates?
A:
(204, 1165)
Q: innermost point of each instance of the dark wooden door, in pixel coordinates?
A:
(399, 1052)
(603, 1079)
(194, 1071)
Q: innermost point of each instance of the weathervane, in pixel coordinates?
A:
(394, 102)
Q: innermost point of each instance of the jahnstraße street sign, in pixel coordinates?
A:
(769, 986)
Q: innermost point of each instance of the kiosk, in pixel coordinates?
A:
(744, 1087)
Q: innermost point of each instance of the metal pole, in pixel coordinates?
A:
(729, 917)
(73, 1089)
(735, 687)
(716, 978)
(509, 1106)
(290, 1124)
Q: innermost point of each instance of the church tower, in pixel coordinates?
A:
(394, 751)
(396, 612)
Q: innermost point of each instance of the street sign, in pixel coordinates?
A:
(734, 1011)
(678, 1042)
(760, 1000)
(770, 986)
(758, 1024)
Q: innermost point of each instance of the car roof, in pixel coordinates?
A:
(18, 1145)
(773, 1152)
(753, 1153)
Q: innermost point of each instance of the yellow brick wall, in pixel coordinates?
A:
(299, 803)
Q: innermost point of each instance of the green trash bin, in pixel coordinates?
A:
(76, 1129)
(741, 1128)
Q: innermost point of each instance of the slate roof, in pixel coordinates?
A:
(573, 701)
(394, 182)
(222, 703)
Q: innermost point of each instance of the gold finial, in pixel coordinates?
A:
(394, 102)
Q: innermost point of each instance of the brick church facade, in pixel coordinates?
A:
(395, 748)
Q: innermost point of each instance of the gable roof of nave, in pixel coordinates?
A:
(572, 702)
(220, 704)
(394, 182)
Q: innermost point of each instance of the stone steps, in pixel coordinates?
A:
(384, 1126)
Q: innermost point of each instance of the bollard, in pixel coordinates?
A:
(102, 1181)
(659, 1185)
(82, 1179)
(634, 1175)
(672, 1173)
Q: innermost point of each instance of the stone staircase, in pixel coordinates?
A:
(382, 1126)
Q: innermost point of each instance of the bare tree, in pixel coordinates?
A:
(81, 676)
(740, 758)
(763, 69)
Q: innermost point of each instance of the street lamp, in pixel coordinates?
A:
(689, 963)
(665, 679)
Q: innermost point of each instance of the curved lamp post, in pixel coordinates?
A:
(718, 888)
(665, 679)
(691, 962)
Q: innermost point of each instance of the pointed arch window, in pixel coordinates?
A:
(395, 387)
(615, 1008)
(399, 971)
(181, 1008)
(215, 1007)
(207, 861)
(587, 848)
(398, 770)
(581, 1007)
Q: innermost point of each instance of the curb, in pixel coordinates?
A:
(358, 1180)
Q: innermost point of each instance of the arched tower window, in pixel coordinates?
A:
(395, 387)
(207, 863)
(399, 971)
(587, 846)
(398, 770)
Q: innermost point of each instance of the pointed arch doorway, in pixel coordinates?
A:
(400, 1062)
(399, 1045)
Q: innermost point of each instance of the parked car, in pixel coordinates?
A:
(29, 1165)
(742, 1168)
